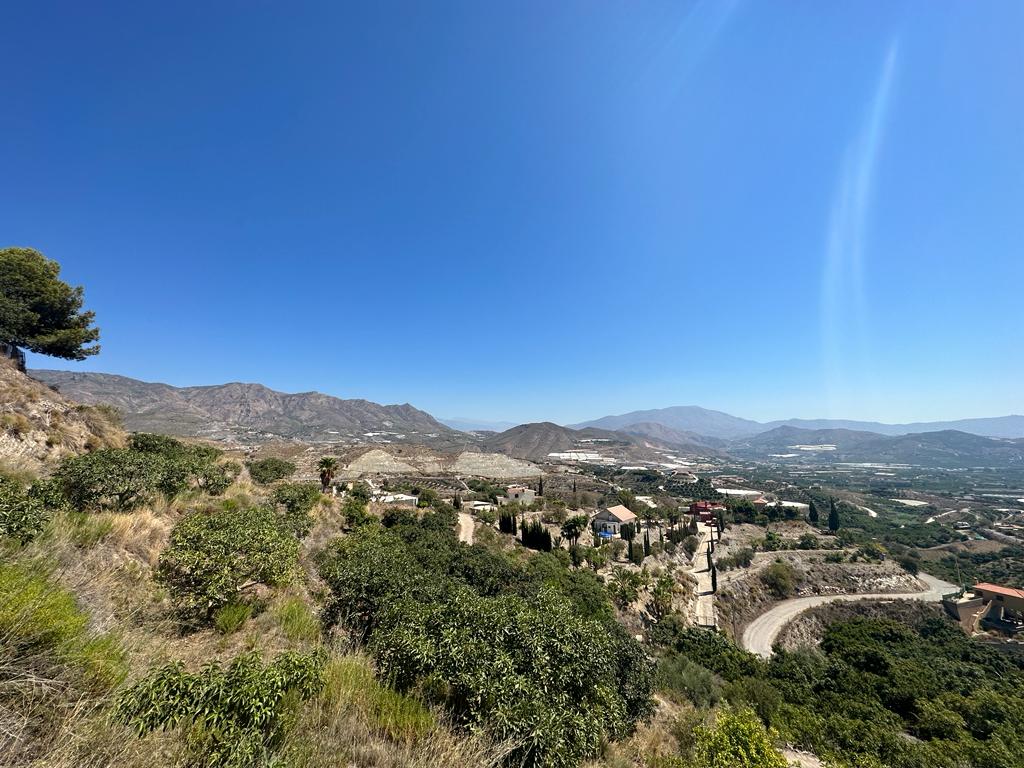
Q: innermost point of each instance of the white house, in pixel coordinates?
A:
(477, 506)
(609, 521)
(519, 494)
(397, 499)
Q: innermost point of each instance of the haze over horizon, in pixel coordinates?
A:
(499, 213)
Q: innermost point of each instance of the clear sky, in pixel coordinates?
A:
(535, 210)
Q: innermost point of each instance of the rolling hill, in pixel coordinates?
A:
(243, 411)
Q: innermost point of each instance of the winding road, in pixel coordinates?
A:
(760, 634)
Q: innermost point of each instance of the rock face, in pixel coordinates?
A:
(245, 412)
(39, 427)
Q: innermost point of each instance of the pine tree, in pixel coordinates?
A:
(833, 515)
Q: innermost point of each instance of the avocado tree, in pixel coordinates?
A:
(39, 311)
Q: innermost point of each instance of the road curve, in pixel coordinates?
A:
(760, 634)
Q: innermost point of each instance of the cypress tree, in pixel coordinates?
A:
(647, 544)
(812, 514)
(833, 515)
(714, 578)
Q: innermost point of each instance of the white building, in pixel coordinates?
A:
(609, 521)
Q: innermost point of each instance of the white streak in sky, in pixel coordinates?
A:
(844, 320)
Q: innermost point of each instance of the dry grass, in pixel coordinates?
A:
(357, 721)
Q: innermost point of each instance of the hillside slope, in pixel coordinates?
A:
(685, 418)
(242, 411)
(39, 427)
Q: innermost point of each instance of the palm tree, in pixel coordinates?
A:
(327, 466)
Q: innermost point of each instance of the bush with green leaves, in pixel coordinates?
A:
(737, 740)
(270, 470)
(118, 479)
(186, 463)
(232, 717)
(536, 674)
(297, 501)
(780, 578)
(216, 555)
(22, 513)
(541, 660)
(123, 479)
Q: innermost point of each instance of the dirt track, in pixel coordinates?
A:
(760, 634)
(465, 528)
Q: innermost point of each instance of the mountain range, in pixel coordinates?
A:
(244, 411)
(707, 423)
(252, 412)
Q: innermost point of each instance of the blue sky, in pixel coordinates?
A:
(535, 210)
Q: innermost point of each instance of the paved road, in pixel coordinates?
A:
(705, 606)
(465, 528)
(760, 635)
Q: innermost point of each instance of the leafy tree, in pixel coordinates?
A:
(215, 556)
(574, 527)
(328, 465)
(354, 511)
(533, 674)
(39, 311)
(833, 515)
(232, 717)
(269, 470)
(119, 479)
(298, 500)
(737, 740)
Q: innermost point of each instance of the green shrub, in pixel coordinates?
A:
(538, 674)
(780, 578)
(233, 717)
(123, 479)
(504, 644)
(214, 556)
(297, 501)
(229, 618)
(737, 740)
(22, 513)
(685, 679)
(269, 470)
